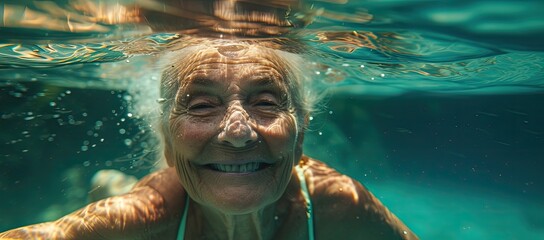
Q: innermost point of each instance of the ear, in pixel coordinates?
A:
(168, 150)
(300, 137)
(168, 155)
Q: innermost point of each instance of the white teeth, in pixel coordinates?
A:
(237, 168)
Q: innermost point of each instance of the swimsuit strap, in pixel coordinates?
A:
(305, 194)
(183, 223)
(307, 200)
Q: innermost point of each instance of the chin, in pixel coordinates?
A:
(241, 193)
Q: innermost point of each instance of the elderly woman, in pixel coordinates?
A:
(232, 123)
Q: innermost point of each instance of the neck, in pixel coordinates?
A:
(255, 225)
(261, 224)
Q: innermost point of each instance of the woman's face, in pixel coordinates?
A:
(232, 131)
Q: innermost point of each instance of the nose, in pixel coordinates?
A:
(237, 130)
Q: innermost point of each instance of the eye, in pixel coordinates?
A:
(265, 102)
(202, 107)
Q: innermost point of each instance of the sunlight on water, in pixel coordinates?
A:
(56, 54)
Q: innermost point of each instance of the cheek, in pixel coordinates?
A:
(281, 135)
(190, 136)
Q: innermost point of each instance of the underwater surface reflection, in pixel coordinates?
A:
(434, 105)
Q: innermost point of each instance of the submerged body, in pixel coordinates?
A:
(343, 208)
(233, 122)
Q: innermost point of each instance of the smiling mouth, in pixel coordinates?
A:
(239, 168)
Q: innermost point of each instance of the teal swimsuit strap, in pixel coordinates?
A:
(307, 200)
(183, 223)
(305, 194)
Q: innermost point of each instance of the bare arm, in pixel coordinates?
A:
(143, 213)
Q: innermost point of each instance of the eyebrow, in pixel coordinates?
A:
(199, 83)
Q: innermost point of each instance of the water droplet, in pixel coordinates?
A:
(311, 118)
(362, 66)
(382, 75)
(129, 115)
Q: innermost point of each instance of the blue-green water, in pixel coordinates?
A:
(436, 106)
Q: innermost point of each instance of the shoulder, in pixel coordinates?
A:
(149, 211)
(345, 208)
(163, 191)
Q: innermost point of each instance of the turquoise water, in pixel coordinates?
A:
(436, 106)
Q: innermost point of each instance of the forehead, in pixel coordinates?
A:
(232, 63)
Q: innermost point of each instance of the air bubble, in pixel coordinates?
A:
(122, 131)
(52, 104)
(128, 142)
(86, 163)
(320, 133)
(84, 148)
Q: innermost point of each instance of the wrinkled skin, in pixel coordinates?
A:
(233, 107)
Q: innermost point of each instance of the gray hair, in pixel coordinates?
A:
(292, 66)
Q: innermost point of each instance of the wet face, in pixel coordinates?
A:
(232, 130)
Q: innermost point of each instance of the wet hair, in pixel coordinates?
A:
(178, 64)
